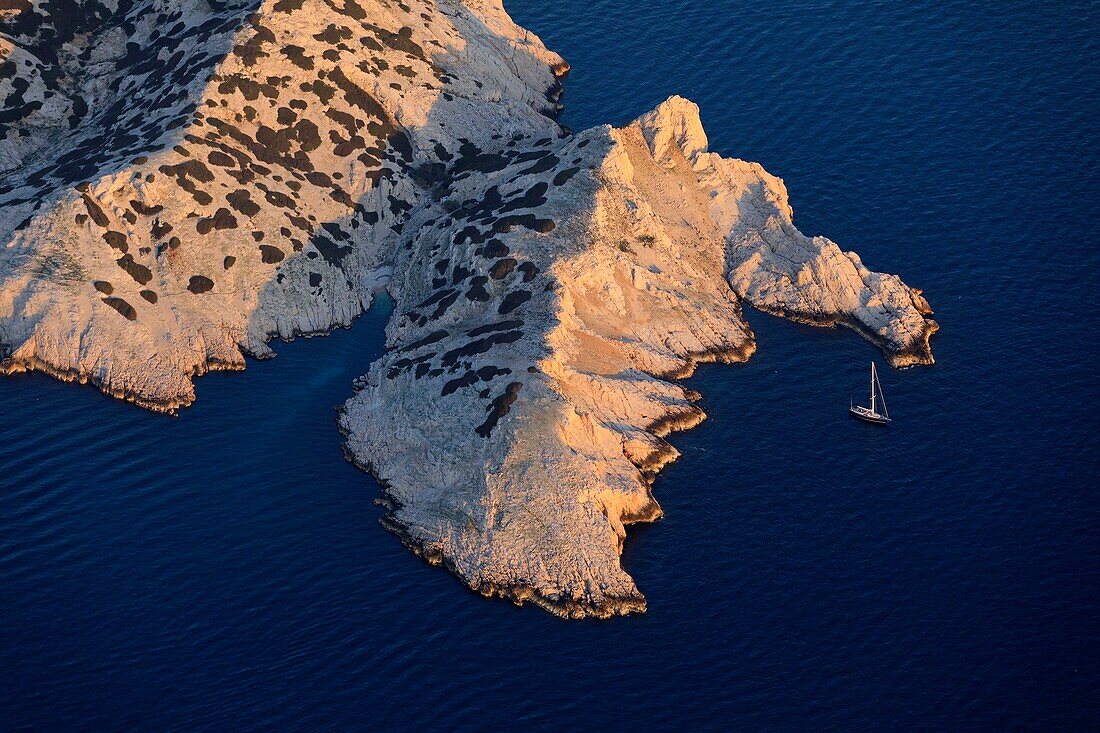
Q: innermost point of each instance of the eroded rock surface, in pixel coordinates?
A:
(181, 181)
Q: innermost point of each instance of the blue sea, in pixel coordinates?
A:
(225, 569)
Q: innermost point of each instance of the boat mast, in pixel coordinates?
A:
(872, 386)
(882, 398)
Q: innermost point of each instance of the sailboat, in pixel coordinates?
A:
(872, 414)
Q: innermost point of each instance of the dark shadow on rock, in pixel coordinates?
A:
(404, 180)
(152, 98)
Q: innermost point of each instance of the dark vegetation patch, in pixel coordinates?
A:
(144, 210)
(563, 176)
(502, 268)
(529, 271)
(434, 298)
(95, 211)
(251, 50)
(549, 162)
(187, 173)
(298, 57)
(499, 408)
(200, 284)
(471, 158)
(513, 300)
(477, 291)
(332, 252)
(271, 255)
(529, 221)
(431, 338)
(224, 219)
(122, 307)
(480, 346)
(498, 326)
(471, 377)
(443, 304)
(242, 201)
(136, 270)
(220, 159)
(117, 240)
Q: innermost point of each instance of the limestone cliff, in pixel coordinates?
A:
(182, 180)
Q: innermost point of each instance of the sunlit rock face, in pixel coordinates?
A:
(182, 181)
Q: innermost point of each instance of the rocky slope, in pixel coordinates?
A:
(183, 180)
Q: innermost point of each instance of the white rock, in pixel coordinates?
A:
(547, 286)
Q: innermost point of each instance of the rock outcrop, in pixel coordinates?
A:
(183, 180)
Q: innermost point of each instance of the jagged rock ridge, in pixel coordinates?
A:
(182, 181)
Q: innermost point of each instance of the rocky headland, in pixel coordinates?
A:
(183, 180)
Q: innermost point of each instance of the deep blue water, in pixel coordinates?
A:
(225, 569)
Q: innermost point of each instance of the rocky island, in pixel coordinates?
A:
(182, 181)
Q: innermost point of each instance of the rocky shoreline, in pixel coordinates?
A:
(918, 353)
(11, 365)
(260, 168)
